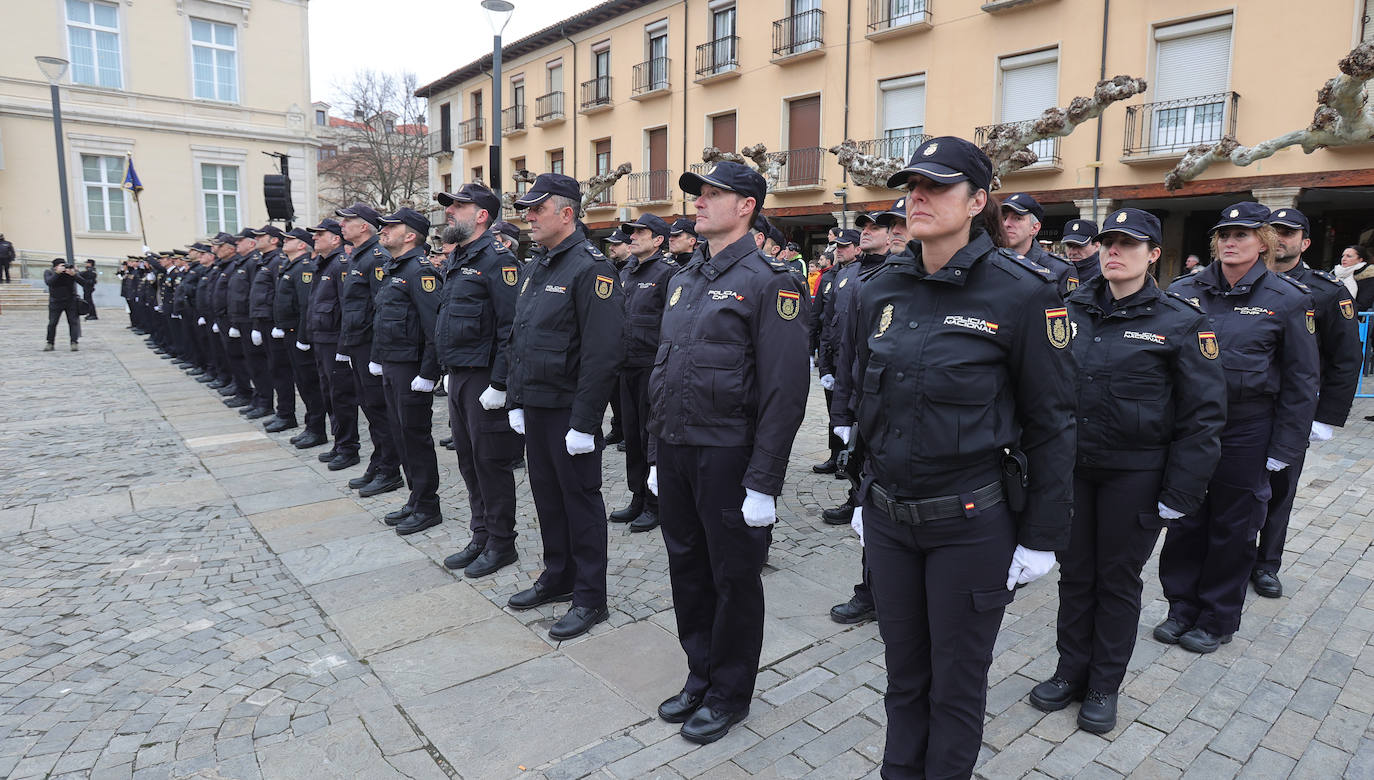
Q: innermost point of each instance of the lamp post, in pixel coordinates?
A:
(53, 69)
(498, 13)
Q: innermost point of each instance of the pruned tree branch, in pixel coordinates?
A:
(866, 170)
(768, 164)
(1343, 117)
(593, 187)
(522, 176)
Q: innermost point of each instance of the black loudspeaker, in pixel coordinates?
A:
(276, 191)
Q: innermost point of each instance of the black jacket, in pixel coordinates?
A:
(1065, 274)
(358, 288)
(646, 293)
(1338, 343)
(1151, 393)
(241, 289)
(478, 307)
(291, 299)
(1364, 288)
(228, 268)
(842, 397)
(322, 319)
(824, 286)
(824, 318)
(265, 286)
(62, 287)
(406, 307)
(1084, 271)
(959, 364)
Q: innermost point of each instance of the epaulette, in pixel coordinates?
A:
(1185, 301)
(592, 250)
(1295, 283)
(1327, 275)
(1035, 268)
(777, 265)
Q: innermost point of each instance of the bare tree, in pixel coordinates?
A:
(378, 151)
(769, 165)
(1343, 117)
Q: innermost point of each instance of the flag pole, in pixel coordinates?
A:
(129, 164)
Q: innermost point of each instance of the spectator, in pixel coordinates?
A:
(1192, 265)
(61, 281)
(1357, 275)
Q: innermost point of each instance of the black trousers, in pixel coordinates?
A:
(238, 361)
(634, 422)
(940, 589)
(616, 417)
(133, 312)
(1115, 526)
(223, 367)
(5, 270)
(90, 301)
(336, 383)
(56, 310)
(372, 399)
(258, 366)
(307, 381)
(1284, 486)
(572, 515)
(412, 419)
(1207, 557)
(715, 562)
(834, 442)
(283, 378)
(487, 452)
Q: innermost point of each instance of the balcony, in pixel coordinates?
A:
(473, 132)
(651, 78)
(1046, 150)
(513, 121)
(700, 167)
(799, 37)
(606, 200)
(998, 6)
(802, 170)
(1167, 129)
(439, 143)
(648, 187)
(899, 147)
(548, 109)
(890, 18)
(718, 59)
(596, 95)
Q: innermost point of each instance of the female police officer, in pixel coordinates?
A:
(1264, 325)
(963, 353)
(1151, 404)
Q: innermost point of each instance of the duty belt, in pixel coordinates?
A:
(928, 510)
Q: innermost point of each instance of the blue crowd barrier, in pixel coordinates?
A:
(1360, 390)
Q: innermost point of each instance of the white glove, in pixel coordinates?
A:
(200, 321)
(1167, 513)
(256, 337)
(234, 333)
(652, 481)
(516, 417)
(1275, 465)
(857, 523)
(1320, 432)
(302, 347)
(579, 443)
(844, 431)
(340, 357)
(421, 385)
(759, 510)
(215, 327)
(374, 369)
(278, 333)
(1028, 566)
(157, 308)
(492, 399)
(813, 363)
(828, 381)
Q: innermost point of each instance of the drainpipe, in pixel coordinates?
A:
(1101, 75)
(563, 32)
(686, 16)
(848, 45)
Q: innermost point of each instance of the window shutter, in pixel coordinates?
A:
(904, 103)
(1188, 66)
(1028, 90)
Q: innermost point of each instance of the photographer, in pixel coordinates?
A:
(62, 298)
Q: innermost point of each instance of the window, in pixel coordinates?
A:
(601, 62)
(556, 161)
(445, 129)
(1030, 84)
(601, 154)
(389, 125)
(93, 43)
(327, 152)
(477, 175)
(723, 132)
(448, 182)
(517, 91)
(903, 115)
(321, 117)
(555, 76)
(103, 178)
(1192, 77)
(214, 57)
(658, 58)
(219, 187)
(518, 164)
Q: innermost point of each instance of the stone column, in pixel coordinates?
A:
(1278, 197)
(844, 219)
(1170, 263)
(1085, 209)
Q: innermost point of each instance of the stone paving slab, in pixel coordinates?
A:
(434, 663)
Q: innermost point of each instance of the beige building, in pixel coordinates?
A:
(196, 91)
(652, 82)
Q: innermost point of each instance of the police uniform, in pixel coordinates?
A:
(680, 226)
(473, 327)
(956, 367)
(564, 350)
(727, 394)
(824, 344)
(278, 350)
(357, 291)
(1339, 356)
(1264, 327)
(232, 287)
(290, 305)
(1151, 406)
(257, 312)
(1064, 273)
(322, 334)
(403, 342)
(1081, 231)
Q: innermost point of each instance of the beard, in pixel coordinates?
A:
(464, 231)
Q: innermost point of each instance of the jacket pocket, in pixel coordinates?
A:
(720, 386)
(460, 326)
(1141, 408)
(960, 415)
(552, 361)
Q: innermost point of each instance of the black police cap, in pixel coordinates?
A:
(410, 218)
(1022, 203)
(547, 184)
(270, 230)
(1080, 231)
(1246, 214)
(848, 237)
(200, 246)
(328, 226)
(223, 238)
(651, 222)
(506, 228)
(302, 234)
(245, 233)
(1291, 218)
(946, 159)
(735, 177)
(473, 193)
(683, 225)
(617, 237)
(1138, 224)
(362, 211)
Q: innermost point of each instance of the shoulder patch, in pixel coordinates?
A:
(429, 283)
(1295, 283)
(777, 265)
(1037, 270)
(1190, 303)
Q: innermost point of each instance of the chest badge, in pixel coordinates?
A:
(1348, 309)
(428, 283)
(509, 275)
(789, 303)
(306, 276)
(676, 295)
(884, 321)
(1311, 320)
(827, 287)
(1207, 343)
(379, 273)
(604, 286)
(1057, 327)
(843, 282)
(1071, 283)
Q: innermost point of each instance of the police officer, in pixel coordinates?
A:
(321, 337)
(963, 355)
(1021, 218)
(508, 235)
(272, 244)
(645, 281)
(211, 301)
(89, 277)
(1151, 406)
(618, 252)
(846, 242)
(403, 355)
(727, 394)
(682, 240)
(290, 303)
(474, 324)
(1080, 246)
(357, 291)
(1264, 324)
(236, 284)
(262, 259)
(1339, 355)
(564, 350)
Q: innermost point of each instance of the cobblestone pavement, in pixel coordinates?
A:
(182, 595)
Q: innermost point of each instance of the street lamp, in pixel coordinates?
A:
(53, 69)
(498, 13)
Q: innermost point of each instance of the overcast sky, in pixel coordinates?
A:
(427, 37)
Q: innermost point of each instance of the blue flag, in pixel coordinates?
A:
(131, 181)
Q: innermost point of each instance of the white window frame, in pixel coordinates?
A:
(79, 144)
(1192, 126)
(906, 149)
(1044, 149)
(215, 49)
(220, 193)
(90, 29)
(111, 191)
(225, 156)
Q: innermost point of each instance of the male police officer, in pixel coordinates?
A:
(321, 338)
(827, 340)
(357, 291)
(271, 242)
(237, 283)
(507, 235)
(727, 395)
(470, 336)
(682, 240)
(1081, 250)
(1339, 351)
(290, 305)
(618, 248)
(564, 351)
(645, 281)
(1021, 218)
(262, 257)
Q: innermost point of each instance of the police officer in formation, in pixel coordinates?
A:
(727, 395)
(1151, 406)
(564, 351)
(290, 305)
(1262, 323)
(682, 240)
(274, 364)
(320, 337)
(1081, 250)
(826, 340)
(1021, 218)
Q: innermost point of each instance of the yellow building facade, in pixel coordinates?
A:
(653, 83)
(195, 91)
